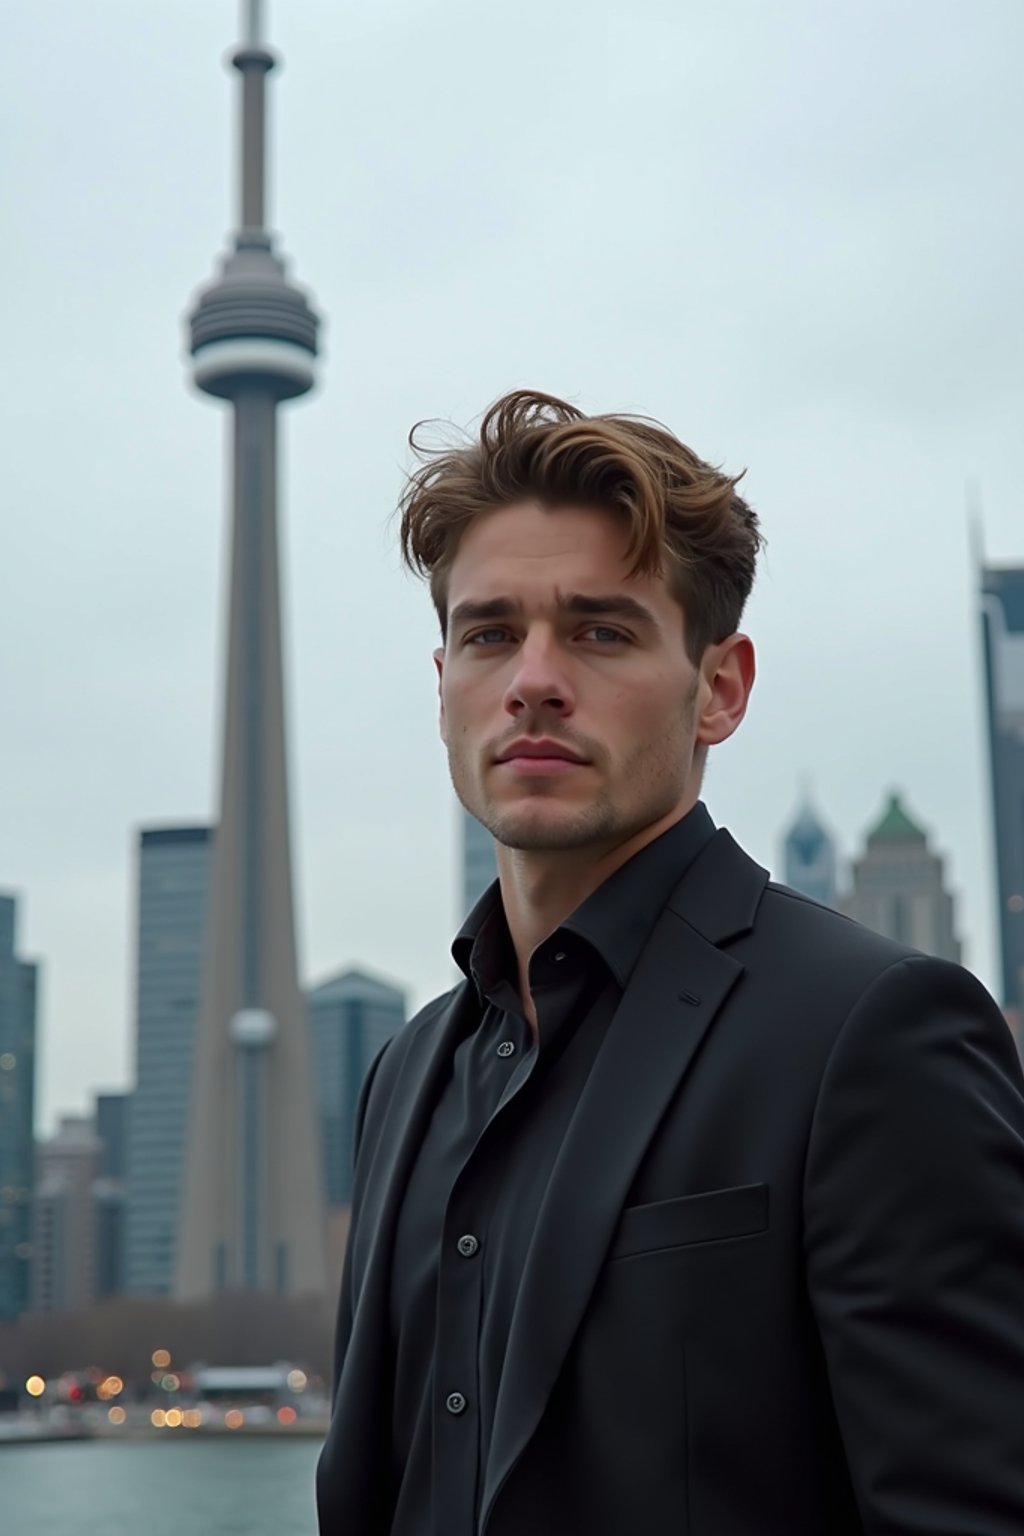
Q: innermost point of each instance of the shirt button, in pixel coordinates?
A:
(560, 955)
(455, 1402)
(506, 1048)
(468, 1245)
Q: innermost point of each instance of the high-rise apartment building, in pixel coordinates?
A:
(173, 874)
(253, 1216)
(352, 1015)
(899, 889)
(18, 1003)
(1002, 616)
(64, 1219)
(809, 855)
(479, 865)
(110, 1192)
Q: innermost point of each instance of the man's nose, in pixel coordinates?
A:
(540, 679)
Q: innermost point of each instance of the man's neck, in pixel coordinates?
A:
(540, 889)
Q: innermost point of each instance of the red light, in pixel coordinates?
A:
(75, 1394)
(286, 1415)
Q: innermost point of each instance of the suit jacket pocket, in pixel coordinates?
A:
(706, 1218)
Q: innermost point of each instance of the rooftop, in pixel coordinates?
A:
(896, 826)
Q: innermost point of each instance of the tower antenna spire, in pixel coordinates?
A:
(252, 22)
(254, 61)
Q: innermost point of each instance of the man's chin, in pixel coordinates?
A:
(544, 828)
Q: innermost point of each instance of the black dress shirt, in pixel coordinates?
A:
(471, 1203)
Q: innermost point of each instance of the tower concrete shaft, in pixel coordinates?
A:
(253, 1211)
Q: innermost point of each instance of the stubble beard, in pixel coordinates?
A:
(653, 780)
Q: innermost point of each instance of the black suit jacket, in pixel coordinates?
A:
(776, 1286)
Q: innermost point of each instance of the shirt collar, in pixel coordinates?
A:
(615, 920)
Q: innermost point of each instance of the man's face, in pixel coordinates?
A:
(610, 682)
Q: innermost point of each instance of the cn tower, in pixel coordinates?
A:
(252, 1214)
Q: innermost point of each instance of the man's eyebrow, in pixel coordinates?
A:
(617, 604)
(607, 605)
(469, 612)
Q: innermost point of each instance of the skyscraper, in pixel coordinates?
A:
(351, 1016)
(64, 1218)
(172, 881)
(109, 1193)
(810, 857)
(253, 1212)
(479, 865)
(1002, 619)
(899, 888)
(18, 987)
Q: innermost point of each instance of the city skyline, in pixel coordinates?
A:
(828, 297)
(473, 858)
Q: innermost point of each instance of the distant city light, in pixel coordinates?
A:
(158, 1418)
(170, 1383)
(35, 1386)
(286, 1415)
(192, 1418)
(8, 1062)
(116, 1415)
(297, 1381)
(173, 1417)
(110, 1386)
(161, 1359)
(234, 1418)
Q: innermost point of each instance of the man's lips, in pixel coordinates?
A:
(544, 758)
(534, 767)
(543, 750)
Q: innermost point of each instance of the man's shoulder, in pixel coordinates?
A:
(784, 909)
(818, 948)
(832, 956)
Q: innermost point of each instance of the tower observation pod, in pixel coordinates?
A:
(252, 1212)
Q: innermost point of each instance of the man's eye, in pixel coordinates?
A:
(604, 629)
(482, 634)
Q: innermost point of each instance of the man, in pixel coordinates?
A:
(694, 1209)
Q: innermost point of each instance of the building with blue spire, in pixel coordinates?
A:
(809, 856)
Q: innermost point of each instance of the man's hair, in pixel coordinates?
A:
(683, 517)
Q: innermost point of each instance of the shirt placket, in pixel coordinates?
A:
(456, 1404)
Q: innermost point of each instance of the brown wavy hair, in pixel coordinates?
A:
(684, 517)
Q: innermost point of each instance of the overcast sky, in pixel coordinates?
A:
(792, 232)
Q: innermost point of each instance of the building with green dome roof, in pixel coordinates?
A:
(895, 826)
(898, 886)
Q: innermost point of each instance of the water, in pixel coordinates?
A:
(201, 1487)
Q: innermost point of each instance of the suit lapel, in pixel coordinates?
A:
(354, 1466)
(680, 982)
(415, 1092)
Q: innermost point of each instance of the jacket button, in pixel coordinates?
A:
(506, 1048)
(468, 1245)
(455, 1402)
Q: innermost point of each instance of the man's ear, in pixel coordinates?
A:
(439, 664)
(728, 676)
